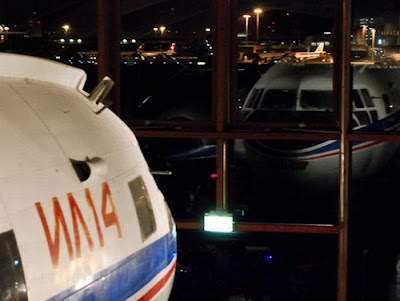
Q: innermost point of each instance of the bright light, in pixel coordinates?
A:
(246, 16)
(71, 40)
(201, 63)
(79, 40)
(66, 28)
(162, 29)
(155, 29)
(258, 11)
(133, 41)
(62, 40)
(124, 41)
(218, 221)
(208, 29)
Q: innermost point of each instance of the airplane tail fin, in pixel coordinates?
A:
(320, 48)
(171, 50)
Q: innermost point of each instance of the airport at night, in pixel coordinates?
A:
(200, 150)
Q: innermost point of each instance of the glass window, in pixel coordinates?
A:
(12, 280)
(279, 99)
(357, 102)
(376, 73)
(144, 209)
(292, 55)
(167, 53)
(374, 208)
(318, 100)
(54, 30)
(185, 172)
(283, 181)
(255, 266)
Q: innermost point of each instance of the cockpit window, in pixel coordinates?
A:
(255, 98)
(12, 280)
(279, 100)
(316, 100)
(144, 209)
(357, 102)
(367, 98)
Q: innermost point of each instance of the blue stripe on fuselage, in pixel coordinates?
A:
(125, 278)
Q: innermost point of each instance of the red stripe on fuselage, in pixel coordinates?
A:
(159, 285)
(337, 152)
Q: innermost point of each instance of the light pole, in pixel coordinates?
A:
(162, 29)
(373, 31)
(247, 26)
(66, 28)
(257, 11)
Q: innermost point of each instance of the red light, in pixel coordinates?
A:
(38, 22)
(34, 12)
(273, 22)
(214, 176)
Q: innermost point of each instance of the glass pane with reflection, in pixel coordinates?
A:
(166, 51)
(185, 172)
(374, 222)
(255, 266)
(284, 181)
(375, 58)
(285, 62)
(58, 30)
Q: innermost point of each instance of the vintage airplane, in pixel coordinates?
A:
(302, 93)
(81, 217)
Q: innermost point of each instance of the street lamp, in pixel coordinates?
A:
(247, 26)
(257, 11)
(162, 29)
(373, 31)
(66, 28)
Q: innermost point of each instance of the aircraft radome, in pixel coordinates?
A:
(81, 217)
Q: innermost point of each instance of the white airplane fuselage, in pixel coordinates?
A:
(81, 217)
(303, 93)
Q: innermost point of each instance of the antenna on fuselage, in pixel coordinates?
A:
(100, 92)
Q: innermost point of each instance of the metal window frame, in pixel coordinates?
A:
(224, 125)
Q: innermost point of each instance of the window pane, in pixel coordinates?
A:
(283, 181)
(58, 30)
(249, 266)
(167, 52)
(374, 222)
(185, 172)
(375, 57)
(12, 278)
(285, 50)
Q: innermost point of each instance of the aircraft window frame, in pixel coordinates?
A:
(365, 117)
(12, 279)
(144, 208)
(356, 100)
(266, 96)
(255, 97)
(367, 99)
(314, 92)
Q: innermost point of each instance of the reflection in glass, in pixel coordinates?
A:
(185, 172)
(166, 72)
(281, 41)
(374, 209)
(291, 93)
(249, 266)
(284, 181)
